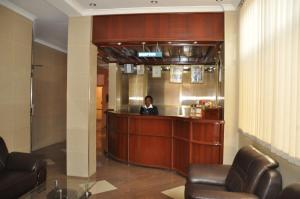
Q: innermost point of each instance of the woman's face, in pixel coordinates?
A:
(148, 102)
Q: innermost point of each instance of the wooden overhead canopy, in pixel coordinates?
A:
(201, 27)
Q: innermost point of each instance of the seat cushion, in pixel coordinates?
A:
(248, 166)
(15, 184)
(191, 189)
(208, 174)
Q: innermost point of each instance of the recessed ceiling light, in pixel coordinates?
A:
(154, 2)
(92, 4)
(119, 43)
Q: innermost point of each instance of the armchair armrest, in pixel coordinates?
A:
(210, 194)
(21, 162)
(208, 174)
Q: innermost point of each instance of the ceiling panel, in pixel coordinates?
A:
(111, 4)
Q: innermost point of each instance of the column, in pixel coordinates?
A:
(81, 98)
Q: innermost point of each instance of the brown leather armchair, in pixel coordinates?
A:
(252, 175)
(19, 172)
(291, 192)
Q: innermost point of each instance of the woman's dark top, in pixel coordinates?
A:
(149, 111)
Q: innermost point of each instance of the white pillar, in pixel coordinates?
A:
(231, 86)
(81, 98)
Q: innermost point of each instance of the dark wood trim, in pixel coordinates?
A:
(201, 27)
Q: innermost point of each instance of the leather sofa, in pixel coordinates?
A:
(291, 192)
(252, 175)
(19, 172)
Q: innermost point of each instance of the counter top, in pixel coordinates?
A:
(216, 115)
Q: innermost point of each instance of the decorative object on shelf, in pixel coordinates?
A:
(140, 69)
(197, 110)
(156, 71)
(197, 74)
(176, 74)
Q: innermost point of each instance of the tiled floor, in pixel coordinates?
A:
(114, 179)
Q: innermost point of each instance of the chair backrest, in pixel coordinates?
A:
(269, 185)
(3, 154)
(291, 192)
(248, 166)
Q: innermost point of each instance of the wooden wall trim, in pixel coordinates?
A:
(158, 27)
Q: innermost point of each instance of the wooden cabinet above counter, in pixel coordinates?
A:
(169, 142)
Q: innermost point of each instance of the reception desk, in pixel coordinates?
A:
(170, 142)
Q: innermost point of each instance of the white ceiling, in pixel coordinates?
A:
(112, 4)
(51, 16)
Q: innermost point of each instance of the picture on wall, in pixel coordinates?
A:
(140, 69)
(197, 74)
(176, 74)
(156, 71)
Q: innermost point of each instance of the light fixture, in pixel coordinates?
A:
(195, 42)
(154, 2)
(92, 4)
(119, 43)
(169, 42)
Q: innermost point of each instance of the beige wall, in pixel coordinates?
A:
(15, 67)
(81, 99)
(231, 87)
(49, 96)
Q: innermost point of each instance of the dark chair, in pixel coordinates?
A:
(252, 175)
(291, 192)
(19, 172)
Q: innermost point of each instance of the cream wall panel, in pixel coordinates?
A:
(231, 87)
(15, 67)
(49, 96)
(81, 99)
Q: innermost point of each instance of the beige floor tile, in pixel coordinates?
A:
(175, 193)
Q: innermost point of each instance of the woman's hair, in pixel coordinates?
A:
(148, 96)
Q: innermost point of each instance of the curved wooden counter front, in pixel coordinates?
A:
(165, 141)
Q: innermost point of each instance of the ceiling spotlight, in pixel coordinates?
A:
(195, 42)
(92, 4)
(119, 43)
(154, 2)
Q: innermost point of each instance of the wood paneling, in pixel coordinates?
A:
(165, 141)
(118, 136)
(150, 151)
(158, 27)
(150, 141)
(208, 132)
(213, 114)
(181, 155)
(152, 126)
(182, 128)
(205, 154)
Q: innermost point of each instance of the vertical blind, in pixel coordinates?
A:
(269, 74)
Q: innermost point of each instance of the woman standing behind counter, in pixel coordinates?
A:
(148, 108)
